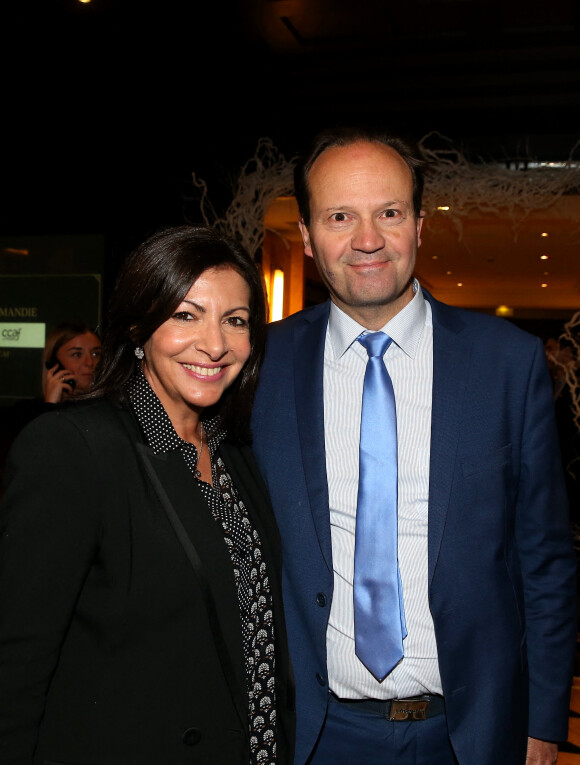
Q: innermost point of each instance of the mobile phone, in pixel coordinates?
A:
(49, 365)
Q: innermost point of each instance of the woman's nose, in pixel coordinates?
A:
(88, 360)
(211, 341)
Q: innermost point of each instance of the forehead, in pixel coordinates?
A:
(360, 168)
(225, 279)
(88, 340)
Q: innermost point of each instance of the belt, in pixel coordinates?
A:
(404, 710)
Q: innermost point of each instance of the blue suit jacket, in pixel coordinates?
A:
(501, 565)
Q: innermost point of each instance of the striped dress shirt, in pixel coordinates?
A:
(409, 360)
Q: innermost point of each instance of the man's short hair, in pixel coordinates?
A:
(345, 136)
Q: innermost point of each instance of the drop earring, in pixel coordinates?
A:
(139, 352)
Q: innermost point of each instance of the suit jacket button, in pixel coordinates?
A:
(191, 736)
(321, 599)
(321, 679)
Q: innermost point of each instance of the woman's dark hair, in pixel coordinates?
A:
(152, 282)
(345, 136)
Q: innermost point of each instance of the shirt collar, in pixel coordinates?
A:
(155, 423)
(405, 328)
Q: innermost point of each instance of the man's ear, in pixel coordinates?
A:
(305, 238)
(420, 226)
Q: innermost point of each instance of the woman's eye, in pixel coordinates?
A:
(237, 321)
(182, 316)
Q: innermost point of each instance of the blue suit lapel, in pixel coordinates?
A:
(308, 341)
(451, 359)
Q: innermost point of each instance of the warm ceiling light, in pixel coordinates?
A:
(84, 1)
(544, 284)
(434, 257)
(544, 257)
(443, 207)
(544, 233)
(504, 310)
(460, 284)
(448, 273)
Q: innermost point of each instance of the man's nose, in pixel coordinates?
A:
(368, 237)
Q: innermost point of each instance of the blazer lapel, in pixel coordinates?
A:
(201, 539)
(249, 484)
(252, 490)
(309, 339)
(451, 359)
(243, 469)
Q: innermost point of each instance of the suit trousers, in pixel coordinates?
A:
(352, 736)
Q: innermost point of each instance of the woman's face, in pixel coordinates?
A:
(199, 351)
(80, 356)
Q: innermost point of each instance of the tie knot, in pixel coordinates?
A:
(376, 343)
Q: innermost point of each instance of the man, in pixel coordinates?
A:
(488, 607)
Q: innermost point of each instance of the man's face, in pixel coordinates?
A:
(363, 234)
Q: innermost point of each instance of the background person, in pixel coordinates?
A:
(72, 352)
(482, 539)
(70, 357)
(140, 611)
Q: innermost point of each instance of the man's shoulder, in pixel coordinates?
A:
(478, 324)
(306, 316)
(310, 322)
(293, 342)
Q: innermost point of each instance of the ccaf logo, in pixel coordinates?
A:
(11, 334)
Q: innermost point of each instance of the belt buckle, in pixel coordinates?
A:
(408, 709)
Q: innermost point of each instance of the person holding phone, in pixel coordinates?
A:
(71, 354)
(69, 360)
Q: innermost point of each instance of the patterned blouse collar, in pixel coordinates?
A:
(155, 423)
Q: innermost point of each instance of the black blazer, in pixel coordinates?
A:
(120, 641)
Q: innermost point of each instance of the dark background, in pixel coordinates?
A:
(108, 108)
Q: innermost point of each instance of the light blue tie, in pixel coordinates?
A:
(379, 617)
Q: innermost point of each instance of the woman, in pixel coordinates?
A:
(71, 354)
(70, 357)
(140, 613)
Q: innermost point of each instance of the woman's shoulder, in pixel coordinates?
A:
(89, 419)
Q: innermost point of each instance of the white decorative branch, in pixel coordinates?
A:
(465, 187)
(451, 180)
(570, 367)
(265, 176)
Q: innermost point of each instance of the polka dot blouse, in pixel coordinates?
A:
(244, 546)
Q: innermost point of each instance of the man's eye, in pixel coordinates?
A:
(390, 213)
(338, 217)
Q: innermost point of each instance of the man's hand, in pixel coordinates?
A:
(541, 752)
